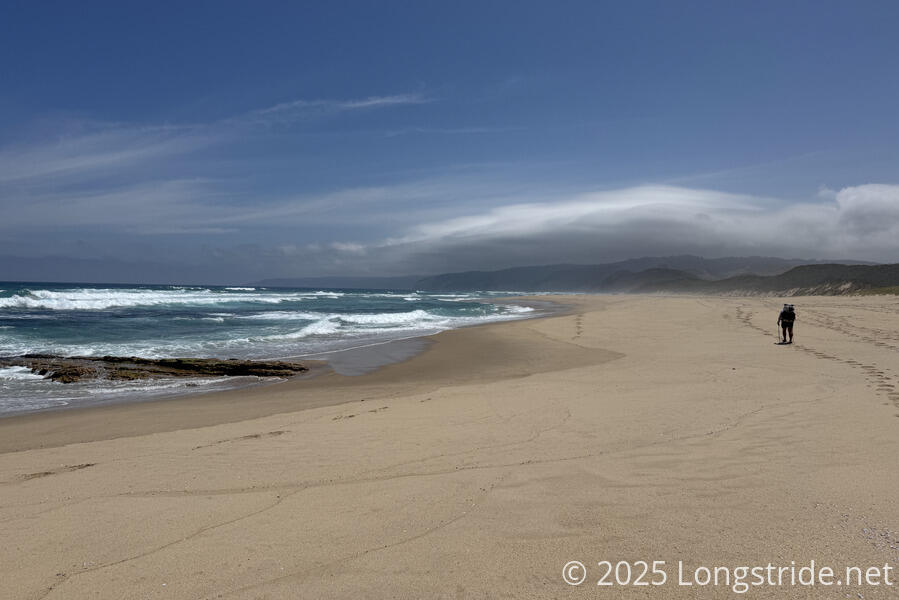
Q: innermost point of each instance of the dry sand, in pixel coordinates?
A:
(634, 428)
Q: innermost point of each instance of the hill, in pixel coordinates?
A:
(826, 279)
(640, 274)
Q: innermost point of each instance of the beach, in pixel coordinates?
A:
(625, 429)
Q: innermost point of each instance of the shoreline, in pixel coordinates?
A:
(65, 425)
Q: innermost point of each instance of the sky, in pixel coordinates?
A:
(233, 141)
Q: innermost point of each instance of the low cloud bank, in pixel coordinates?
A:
(859, 222)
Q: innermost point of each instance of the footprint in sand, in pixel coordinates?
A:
(252, 436)
(63, 469)
(578, 326)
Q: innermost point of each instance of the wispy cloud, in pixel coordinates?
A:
(101, 147)
(382, 101)
(95, 147)
(302, 110)
(695, 178)
(449, 131)
(379, 208)
(151, 207)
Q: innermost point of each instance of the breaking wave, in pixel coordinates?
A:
(104, 298)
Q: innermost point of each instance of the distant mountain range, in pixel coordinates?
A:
(694, 274)
(669, 274)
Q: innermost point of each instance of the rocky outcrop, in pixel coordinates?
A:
(78, 368)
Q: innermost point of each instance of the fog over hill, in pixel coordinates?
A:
(641, 274)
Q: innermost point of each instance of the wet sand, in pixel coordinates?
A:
(633, 428)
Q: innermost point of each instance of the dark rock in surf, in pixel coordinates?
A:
(121, 368)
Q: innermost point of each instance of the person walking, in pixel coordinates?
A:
(785, 320)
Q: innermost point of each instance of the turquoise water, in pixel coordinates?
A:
(198, 321)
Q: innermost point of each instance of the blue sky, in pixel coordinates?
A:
(291, 139)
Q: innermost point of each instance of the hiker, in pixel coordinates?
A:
(785, 320)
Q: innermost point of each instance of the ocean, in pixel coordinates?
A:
(207, 321)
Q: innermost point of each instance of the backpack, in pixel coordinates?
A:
(788, 313)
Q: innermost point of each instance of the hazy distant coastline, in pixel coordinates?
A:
(752, 275)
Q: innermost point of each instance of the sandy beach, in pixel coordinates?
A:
(632, 428)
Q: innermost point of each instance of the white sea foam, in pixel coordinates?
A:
(397, 318)
(410, 318)
(24, 396)
(106, 388)
(360, 324)
(380, 294)
(23, 405)
(19, 374)
(322, 327)
(213, 319)
(99, 298)
(283, 315)
(403, 318)
(354, 325)
(516, 309)
(241, 289)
